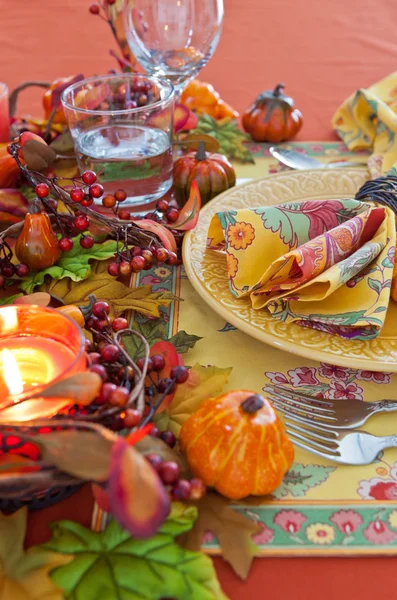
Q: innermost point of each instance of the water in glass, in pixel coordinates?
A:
(136, 158)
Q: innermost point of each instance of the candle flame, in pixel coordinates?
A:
(9, 320)
(11, 373)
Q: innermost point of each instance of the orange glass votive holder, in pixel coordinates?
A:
(4, 114)
(38, 347)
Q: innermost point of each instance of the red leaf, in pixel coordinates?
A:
(57, 92)
(181, 117)
(184, 118)
(165, 236)
(172, 359)
(137, 498)
(13, 206)
(192, 121)
(189, 214)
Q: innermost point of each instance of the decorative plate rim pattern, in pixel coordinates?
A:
(206, 271)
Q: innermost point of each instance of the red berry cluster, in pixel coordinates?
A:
(106, 359)
(136, 259)
(7, 268)
(80, 222)
(170, 473)
(164, 213)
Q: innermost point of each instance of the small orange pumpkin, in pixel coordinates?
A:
(37, 245)
(237, 444)
(213, 172)
(272, 117)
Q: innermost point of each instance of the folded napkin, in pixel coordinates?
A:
(323, 264)
(368, 120)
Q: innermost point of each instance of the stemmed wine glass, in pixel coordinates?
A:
(173, 38)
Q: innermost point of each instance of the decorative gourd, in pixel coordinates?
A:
(237, 444)
(37, 245)
(73, 311)
(213, 172)
(272, 117)
(203, 99)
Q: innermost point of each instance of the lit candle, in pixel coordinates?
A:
(4, 114)
(38, 346)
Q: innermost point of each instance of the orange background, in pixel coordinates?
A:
(321, 49)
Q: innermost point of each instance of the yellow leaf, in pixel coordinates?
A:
(24, 575)
(119, 296)
(203, 383)
(66, 167)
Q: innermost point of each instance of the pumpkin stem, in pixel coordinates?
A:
(201, 153)
(35, 207)
(87, 309)
(252, 404)
(278, 90)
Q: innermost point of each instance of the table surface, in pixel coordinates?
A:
(322, 51)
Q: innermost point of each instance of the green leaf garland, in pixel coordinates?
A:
(112, 564)
(74, 264)
(229, 136)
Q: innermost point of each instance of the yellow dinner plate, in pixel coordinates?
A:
(207, 272)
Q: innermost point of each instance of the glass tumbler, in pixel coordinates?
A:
(122, 128)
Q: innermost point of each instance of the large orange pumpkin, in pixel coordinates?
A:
(237, 444)
(272, 117)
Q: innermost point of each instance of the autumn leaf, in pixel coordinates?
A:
(38, 298)
(25, 575)
(13, 206)
(189, 214)
(184, 341)
(74, 264)
(203, 382)
(112, 564)
(137, 496)
(38, 156)
(232, 529)
(83, 454)
(229, 136)
(117, 294)
(193, 141)
(81, 388)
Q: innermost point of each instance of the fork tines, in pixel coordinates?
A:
(300, 407)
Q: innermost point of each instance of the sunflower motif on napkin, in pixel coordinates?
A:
(323, 264)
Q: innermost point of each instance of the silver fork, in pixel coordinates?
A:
(342, 446)
(338, 414)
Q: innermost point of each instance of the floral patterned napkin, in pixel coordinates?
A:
(323, 264)
(368, 120)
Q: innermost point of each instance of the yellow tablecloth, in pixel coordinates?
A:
(322, 508)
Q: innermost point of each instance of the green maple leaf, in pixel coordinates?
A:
(112, 564)
(74, 264)
(300, 478)
(229, 136)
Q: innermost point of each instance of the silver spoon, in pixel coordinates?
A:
(296, 160)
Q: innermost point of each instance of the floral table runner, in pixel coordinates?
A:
(321, 508)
